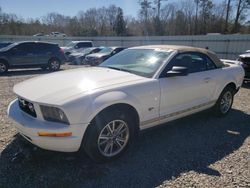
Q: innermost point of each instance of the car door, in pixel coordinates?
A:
(43, 52)
(181, 94)
(23, 54)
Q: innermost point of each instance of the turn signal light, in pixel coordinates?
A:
(55, 134)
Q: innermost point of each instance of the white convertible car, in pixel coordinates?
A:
(102, 108)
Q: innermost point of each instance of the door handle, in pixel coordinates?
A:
(207, 79)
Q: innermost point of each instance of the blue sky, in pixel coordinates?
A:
(38, 8)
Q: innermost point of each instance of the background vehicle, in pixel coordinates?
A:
(4, 44)
(245, 59)
(58, 34)
(31, 54)
(102, 108)
(39, 35)
(75, 45)
(78, 56)
(97, 58)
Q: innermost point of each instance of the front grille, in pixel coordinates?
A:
(27, 107)
(245, 60)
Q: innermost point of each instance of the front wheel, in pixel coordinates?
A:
(108, 136)
(54, 64)
(225, 102)
(3, 67)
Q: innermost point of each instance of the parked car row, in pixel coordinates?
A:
(78, 56)
(31, 54)
(97, 58)
(55, 34)
(76, 45)
(83, 52)
(46, 55)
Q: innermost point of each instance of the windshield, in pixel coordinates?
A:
(87, 50)
(83, 50)
(8, 47)
(143, 62)
(71, 44)
(106, 50)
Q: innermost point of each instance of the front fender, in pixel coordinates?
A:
(84, 109)
(4, 58)
(108, 99)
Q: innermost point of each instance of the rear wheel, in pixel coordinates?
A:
(54, 64)
(3, 67)
(225, 102)
(108, 136)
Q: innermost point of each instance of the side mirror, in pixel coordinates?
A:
(177, 71)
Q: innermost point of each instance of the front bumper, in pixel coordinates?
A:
(247, 72)
(29, 127)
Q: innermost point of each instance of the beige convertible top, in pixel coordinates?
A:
(180, 49)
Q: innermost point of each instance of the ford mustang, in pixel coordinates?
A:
(101, 109)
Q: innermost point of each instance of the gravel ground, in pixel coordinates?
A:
(197, 151)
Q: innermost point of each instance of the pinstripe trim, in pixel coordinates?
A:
(176, 113)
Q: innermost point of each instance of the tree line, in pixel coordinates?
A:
(155, 18)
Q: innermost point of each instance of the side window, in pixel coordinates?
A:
(114, 51)
(210, 64)
(23, 49)
(41, 48)
(195, 62)
(84, 44)
(95, 50)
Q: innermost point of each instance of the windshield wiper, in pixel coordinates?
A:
(120, 69)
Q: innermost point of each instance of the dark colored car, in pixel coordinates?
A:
(31, 54)
(98, 58)
(4, 44)
(245, 59)
(75, 45)
(77, 57)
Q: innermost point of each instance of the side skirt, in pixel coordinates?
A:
(175, 115)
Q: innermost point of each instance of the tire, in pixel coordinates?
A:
(54, 64)
(225, 102)
(102, 143)
(3, 67)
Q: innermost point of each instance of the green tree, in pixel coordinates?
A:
(205, 13)
(120, 25)
(144, 13)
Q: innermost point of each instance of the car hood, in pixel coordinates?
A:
(66, 48)
(77, 54)
(55, 88)
(98, 55)
(245, 55)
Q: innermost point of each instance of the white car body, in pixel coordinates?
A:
(83, 93)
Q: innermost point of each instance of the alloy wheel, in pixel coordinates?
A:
(3, 68)
(226, 102)
(54, 65)
(113, 138)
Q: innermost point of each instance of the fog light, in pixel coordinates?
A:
(66, 134)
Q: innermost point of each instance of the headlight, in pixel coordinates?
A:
(54, 114)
